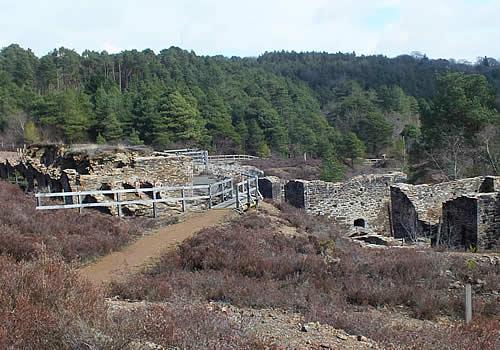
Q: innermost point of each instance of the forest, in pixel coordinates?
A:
(425, 113)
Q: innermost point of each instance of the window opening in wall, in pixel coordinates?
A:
(359, 223)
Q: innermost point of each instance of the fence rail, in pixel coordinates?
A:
(202, 157)
(198, 156)
(231, 157)
(222, 194)
(11, 146)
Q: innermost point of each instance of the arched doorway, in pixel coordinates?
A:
(359, 223)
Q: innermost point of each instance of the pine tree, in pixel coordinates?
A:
(331, 169)
(31, 133)
(100, 140)
(256, 142)
(178, 120)
(374, 131)
(134, 138)
(219, 123)
(352, 147)
(112, 128)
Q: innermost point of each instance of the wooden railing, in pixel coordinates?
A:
(222, 194)
(202, 157)
(12, 147)
(199, 156)
(231, 157)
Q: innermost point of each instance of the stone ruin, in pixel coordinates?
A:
(272, 187)
(463, 213)
(60, 168)
(361, 201)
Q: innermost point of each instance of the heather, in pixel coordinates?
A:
(26, 232)
(44, 304)
(324, 277)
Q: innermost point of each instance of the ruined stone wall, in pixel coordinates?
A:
(233, 170)
(488, 232)
(428, 199)
(404, 216)
(471, 221)
(271, 187)
(141, 172)
(464, 207)
(73, 169)
(460, 223)
(363, 197)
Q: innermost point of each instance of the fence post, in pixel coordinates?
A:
(183, 191)
(468, 303)
(38, 201)
(118, 205)
(222, 188)
(231, 187)
(205, 156)
(209, 196)
(80, 208)
(237, 196)
(249, 194)
(256, 180)
(155, 213)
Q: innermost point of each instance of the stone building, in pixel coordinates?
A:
(59, 168)
(89, 167)
(471, 221)
(462, 213)
(360, 201)
(271, 187)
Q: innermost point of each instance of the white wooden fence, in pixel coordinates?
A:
(222, 194)
(202, 157)
(231, 158)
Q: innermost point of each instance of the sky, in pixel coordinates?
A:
(460, 29)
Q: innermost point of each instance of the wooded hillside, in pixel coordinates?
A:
(334, 106)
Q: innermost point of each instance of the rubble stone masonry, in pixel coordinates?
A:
(363, 198)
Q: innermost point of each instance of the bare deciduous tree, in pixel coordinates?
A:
(454, 156)
(489, 138)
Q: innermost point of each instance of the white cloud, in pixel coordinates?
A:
(445, 28)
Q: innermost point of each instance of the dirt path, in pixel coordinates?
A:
(133, 257)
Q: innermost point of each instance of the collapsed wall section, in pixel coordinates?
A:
(460, 223)
(140, 172)
(404, 215)
(57, 168)
(362, 199)
(471, 221)
(463, 213)
(488, 234)
(422, 216)
(271, 187)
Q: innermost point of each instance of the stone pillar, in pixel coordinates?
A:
(295, 193)
(270, 187)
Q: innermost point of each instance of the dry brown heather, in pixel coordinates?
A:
(45, 305)
(292, 168)
(25, 232)
(327, 279)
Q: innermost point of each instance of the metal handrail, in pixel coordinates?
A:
(223, 190)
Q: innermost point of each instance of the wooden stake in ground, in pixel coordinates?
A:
(468, 303)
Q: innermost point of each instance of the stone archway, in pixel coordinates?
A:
(360, 223)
